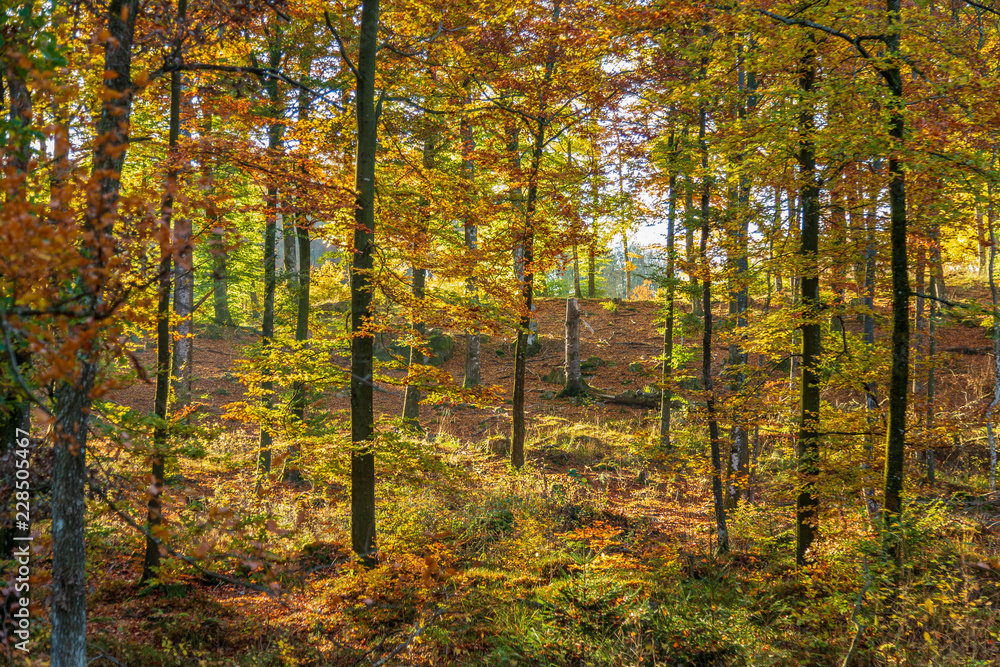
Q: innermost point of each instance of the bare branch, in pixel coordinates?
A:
(340, 43)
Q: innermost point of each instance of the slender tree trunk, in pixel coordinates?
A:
(739, 451)
(216, 243)
(473, 373)
(151, 562)
(591, 270)
(289, 241)
(666, 395)
(411, 396)
(183, 353)
(794, 279)
(73, 396)
(722, 532)
(595, 205)
(15, 408)
(778, 284)
(981, 234)
(527, 284)
(274, 135)
(362, 376)
(931, 350)
(996, 334)
(899, 374)
(691, 215)
(298, 403)
(808, 442)
(868, 335)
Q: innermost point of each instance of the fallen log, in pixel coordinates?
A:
(640, 401)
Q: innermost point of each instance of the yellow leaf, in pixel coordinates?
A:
(927, 637)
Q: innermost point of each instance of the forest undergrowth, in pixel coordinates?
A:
(598, 552)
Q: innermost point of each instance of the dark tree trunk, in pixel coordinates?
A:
(151, 562)
(722, 532)
(899, 375)
(868, 335)
(362, 375)
(808, 441)
(666, 395)
(15, 408)
(739, 451)
(524, 333)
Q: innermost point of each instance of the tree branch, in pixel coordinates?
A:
(340, 44)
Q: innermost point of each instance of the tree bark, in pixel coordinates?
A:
(362, 369)
(808, 441)
(183, 353)
(411, 396)
(473, 373)
(73, 395)
(722, 532)
(575, 385)
(524, 333)
(274, 136)
(15, 408)
(899, 375)
(151, 562)
(666, 395)
(868, 336)
(303, 220)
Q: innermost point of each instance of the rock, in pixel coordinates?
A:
(636, 367)
(533, 347)
(556, 376)
(500, 352)
(591, 365)
(548, 395)
(498, 446)
(441, 345)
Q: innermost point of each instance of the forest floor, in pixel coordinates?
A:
(601, 551)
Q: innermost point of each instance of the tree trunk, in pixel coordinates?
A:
(808, 442)
(183, 353)
(411, 396)
(298, 403)
(525, 333)
(996, 334)
(690, 216)
(981, 234)
(15, 408)
(575, 385)
(274, 135)
(738, 455)
(868, 336)
(217, 245)
(666, 395)
(73, 397)
(591, 270)
(151, 562)
(362, 376)
(899, 375)
(473, 373)
(289, 240)
(706, 356)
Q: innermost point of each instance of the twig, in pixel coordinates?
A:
(859, 635)
(190, 561)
